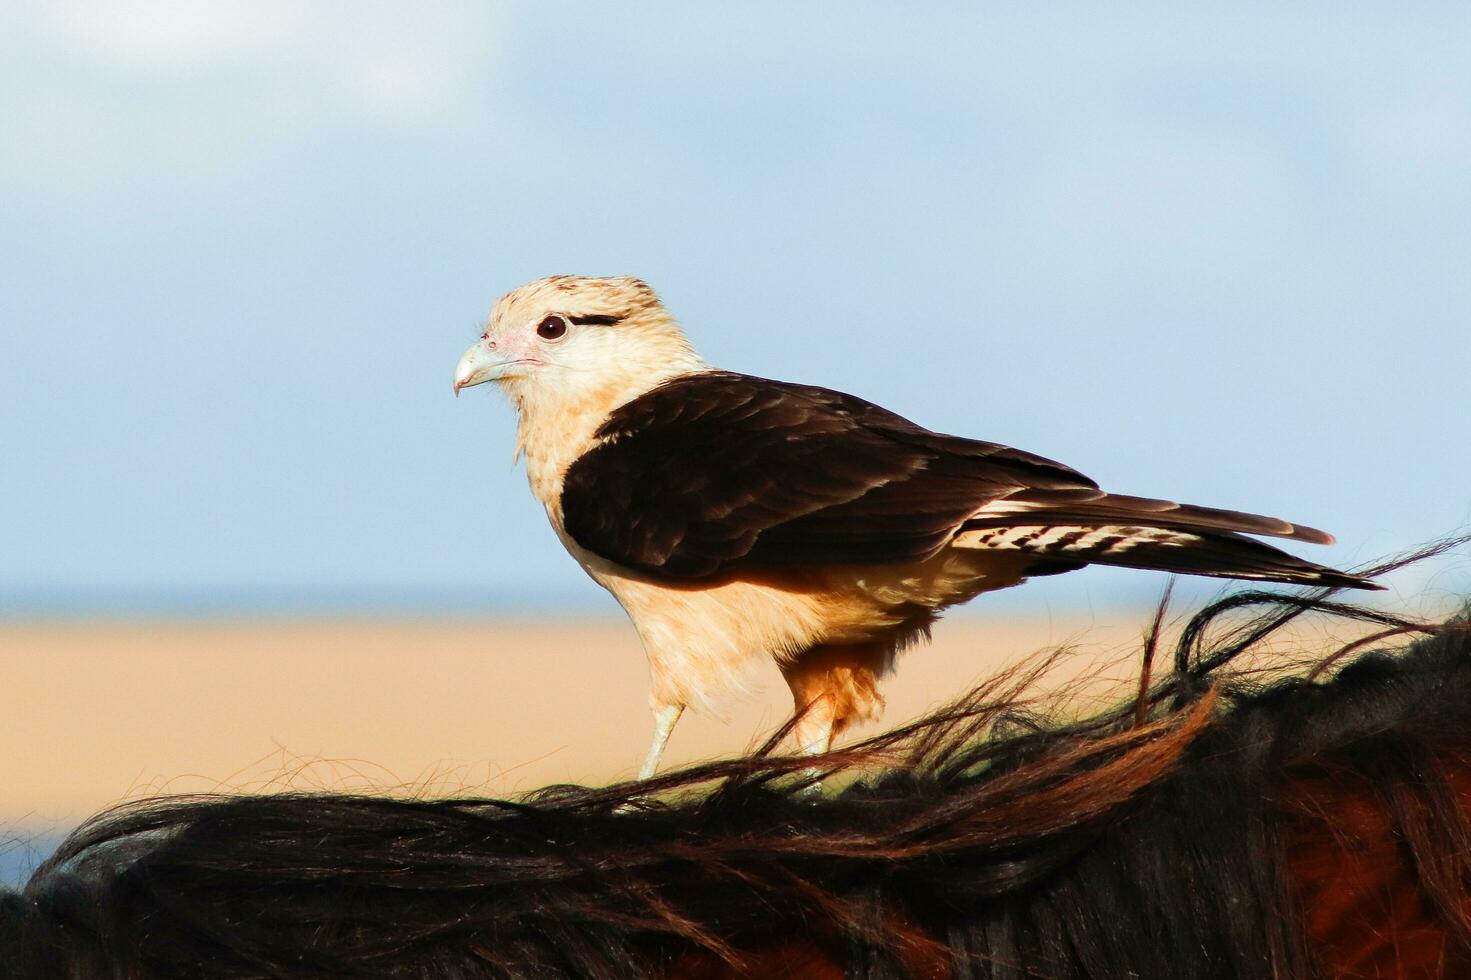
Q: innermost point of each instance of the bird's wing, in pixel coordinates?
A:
(714, 471)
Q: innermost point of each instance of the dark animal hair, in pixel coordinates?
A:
(1214, 826)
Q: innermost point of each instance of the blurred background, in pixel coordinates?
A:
(248, 539)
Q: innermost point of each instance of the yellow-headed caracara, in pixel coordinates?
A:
(737, 518)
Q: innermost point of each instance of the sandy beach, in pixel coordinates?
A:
(100, 713)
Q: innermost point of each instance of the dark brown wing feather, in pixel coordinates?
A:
(714, 471)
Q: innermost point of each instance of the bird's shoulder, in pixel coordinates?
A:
(707, 399)
(738, 409)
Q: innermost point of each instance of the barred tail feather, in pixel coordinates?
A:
(1093, 508)
(1222, 554)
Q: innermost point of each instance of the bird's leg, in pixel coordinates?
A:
(665, 718)
(813, 733)
(814, 729)
(832, 687)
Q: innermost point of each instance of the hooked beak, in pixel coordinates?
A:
(480, 364)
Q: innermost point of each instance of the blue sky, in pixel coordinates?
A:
(1213, 252)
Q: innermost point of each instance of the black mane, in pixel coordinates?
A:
(1148, 840)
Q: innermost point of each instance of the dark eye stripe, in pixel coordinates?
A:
(595, 320)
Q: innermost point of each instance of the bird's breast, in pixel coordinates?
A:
(702, 637)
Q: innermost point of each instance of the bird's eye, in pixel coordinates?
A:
(551, 328)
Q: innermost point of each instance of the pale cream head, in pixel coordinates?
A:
(577, 337)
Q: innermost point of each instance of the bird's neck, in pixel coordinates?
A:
(559, 425)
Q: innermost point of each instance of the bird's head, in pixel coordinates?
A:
(577, 337)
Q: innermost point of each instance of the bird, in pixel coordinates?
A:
(737, 518)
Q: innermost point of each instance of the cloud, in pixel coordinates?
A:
(166, 37)
(100, 96)
(1424, 133)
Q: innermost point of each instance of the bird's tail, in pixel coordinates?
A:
(1136, 532)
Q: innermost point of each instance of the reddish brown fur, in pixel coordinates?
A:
(1363, 901)
(1366, 910)
(1061, 789)
(819, 956)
